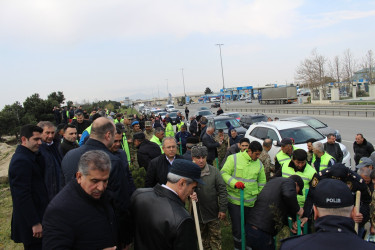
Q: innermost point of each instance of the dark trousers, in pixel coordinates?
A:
(259, 240)
(235, 216)
(33, 246)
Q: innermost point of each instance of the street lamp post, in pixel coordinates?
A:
(222, 70)
(183, 82)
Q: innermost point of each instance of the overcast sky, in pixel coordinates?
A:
(106, 49)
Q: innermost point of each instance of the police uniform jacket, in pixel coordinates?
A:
(29, 194)
(332, 232)
(161, 221)
(75, 220)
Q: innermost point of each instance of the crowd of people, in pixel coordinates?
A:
(72, 186)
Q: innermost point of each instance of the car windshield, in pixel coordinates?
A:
(258, 119)
(314, 123)
(205, 112)
(221, 124)
(173, 114)
(235, 115)
(162, 113)
(203, 108)
(301, 134)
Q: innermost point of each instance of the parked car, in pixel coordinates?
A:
(215, 105)
(235, 115)
(317, 124)
(297, 130)
(163, 113)
(219, 122)
(169, 107)
(173, 116)
(204, 113)
(203, 108)
(247, 120)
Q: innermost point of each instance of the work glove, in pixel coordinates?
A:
(239, 185)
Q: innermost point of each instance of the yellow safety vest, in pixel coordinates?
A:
(307, 175)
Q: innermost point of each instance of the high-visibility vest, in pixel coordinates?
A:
(240, 167)
(307, 175)
(125, 147)
(117, 121)
(282, 157)
(169, 130)
(179, 125)
(157, 141)
(324, 160)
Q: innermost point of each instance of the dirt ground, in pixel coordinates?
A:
(6, 153)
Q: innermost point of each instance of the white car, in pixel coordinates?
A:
(169, 107)
(299, 131)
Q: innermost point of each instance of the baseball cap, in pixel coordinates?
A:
(364, 161)
(331, 193)
(286, 141)
(197, 151)
(186, 169)
(299, 182)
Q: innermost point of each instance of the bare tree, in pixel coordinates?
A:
(349, 65)
(368, 66)
(335, 69)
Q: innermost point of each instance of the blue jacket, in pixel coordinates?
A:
(29, 193)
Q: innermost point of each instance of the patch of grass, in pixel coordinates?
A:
(362, 103)
(6, 218)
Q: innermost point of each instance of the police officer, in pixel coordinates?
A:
(355, 183)
(333, 212)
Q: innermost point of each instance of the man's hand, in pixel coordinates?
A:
(239, 185)
(110, 248)
(372, 230)
(194, 197)
(358, 218)
(294, 227)
(221, 216)
(303, 221)
(37, 230)
(300, 212)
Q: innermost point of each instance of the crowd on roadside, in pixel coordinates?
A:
(72, 186)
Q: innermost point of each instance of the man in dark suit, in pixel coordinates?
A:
(120, 187)
(211, 144)
(29, 193)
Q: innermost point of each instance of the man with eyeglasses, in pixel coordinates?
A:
(158, 168)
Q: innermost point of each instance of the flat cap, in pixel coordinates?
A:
(186, 169)
(198, 151)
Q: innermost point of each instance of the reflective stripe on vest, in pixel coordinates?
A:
(125, 147)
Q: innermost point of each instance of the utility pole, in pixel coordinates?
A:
(222, 70)
(183, 80)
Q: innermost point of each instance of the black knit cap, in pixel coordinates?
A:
(331, 193)
(186, 169)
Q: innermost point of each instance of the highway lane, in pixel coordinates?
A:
(347, 126)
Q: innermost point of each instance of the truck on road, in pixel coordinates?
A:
(280, 95)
